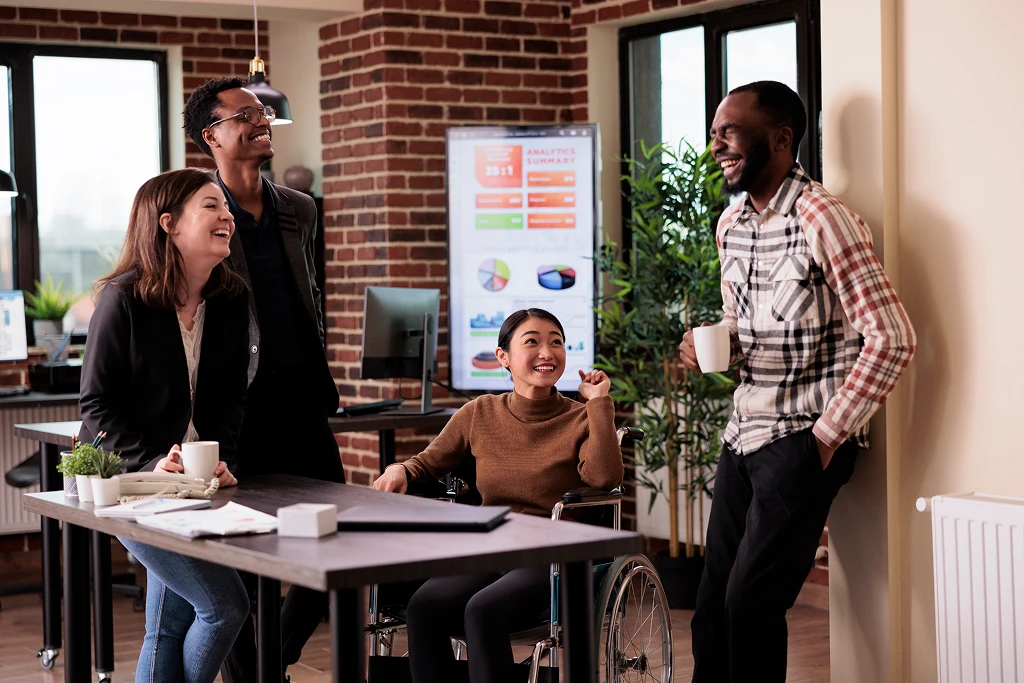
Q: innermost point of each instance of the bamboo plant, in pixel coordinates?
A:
(665, 283)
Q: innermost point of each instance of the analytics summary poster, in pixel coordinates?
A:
(522, 227)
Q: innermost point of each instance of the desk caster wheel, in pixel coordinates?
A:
(47, 658)
(103, 677)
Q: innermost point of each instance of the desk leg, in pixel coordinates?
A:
(347, 638)
(77, 659)
(51, 480)
(268, 631)
(102, 606)
(386, 448)
(577, 589)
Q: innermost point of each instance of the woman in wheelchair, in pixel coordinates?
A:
(531, 445)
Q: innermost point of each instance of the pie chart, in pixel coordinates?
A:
(493, 275)
(556, 277)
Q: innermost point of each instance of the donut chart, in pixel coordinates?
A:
(556, 277)
(493, 275)
(485, 360)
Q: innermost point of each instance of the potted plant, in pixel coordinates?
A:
(76, 465)
(48, 306)
(106, 487)
(665, 284)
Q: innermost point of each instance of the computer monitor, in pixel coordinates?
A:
(13, 337)
(400, 336)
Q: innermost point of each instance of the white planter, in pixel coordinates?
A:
(84, 483)
(106, 491)
(47, 327)
(70, 485)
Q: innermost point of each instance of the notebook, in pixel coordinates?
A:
(421, 518)
(152, 506)
(230, 519)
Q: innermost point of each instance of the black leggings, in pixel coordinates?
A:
(485, 608)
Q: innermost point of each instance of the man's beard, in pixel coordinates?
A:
(754, 161)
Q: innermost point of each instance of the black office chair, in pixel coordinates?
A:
(26, 474)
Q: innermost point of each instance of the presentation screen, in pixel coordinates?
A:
(522, 230)
(13, 337)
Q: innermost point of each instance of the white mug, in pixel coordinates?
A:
(200, 458)
(713, 347)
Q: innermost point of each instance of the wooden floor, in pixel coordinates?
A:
(21, 636)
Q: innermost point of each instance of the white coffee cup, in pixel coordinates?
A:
(200, 458)
(713, 347)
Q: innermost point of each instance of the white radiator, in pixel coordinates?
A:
(14, 449)
(978, 548)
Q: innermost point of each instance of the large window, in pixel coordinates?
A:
(86, 129)
(675, 73)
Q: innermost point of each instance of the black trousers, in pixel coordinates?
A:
(486, 608)
(283, 434)
(767, 516)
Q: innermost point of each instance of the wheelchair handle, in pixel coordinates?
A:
(630, 434)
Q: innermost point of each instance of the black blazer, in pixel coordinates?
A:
(296, 219)
(135, 378)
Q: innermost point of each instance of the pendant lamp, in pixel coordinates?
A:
(258, 80)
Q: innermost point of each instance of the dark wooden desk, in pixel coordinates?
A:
(385, 425)
(344, 562)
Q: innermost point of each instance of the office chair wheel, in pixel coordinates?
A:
(47, 658)
(635, 625)
(103, 677)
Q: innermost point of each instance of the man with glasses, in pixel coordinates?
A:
(291, 390)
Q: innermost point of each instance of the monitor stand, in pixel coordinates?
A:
(426, 374)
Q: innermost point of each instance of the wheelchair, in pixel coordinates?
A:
(633, 625)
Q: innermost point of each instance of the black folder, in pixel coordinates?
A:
(449, 517)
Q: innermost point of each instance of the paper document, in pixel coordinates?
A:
(224, 521)
(152, 506)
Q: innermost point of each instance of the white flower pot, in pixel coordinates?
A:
(84, 483)
(106, 491)
(47, 327)
(70, 485)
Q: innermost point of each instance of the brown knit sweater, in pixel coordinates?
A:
(528, 452)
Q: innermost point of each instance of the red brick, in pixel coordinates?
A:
(361, 43)
(423, 5)
(485, 96)
(135, 36)
(442, 59)
(400, 20)
(466, 113)
(176, 38)
(108, 35)
(503, 44)
(609, 13)
(465, 77)
(519, 97)
(443, 95)
(481, 25)
(505, 79)
(37, 14)
(79, 17)
(503, 9)
(441, 23)
(517, 62)
(663, 4)
(539, 10)
(214, 68)
(198, 22)
(538, 116)
(58, 33)
(158, 20)
(328, 32)
(18, 31)
(119, 19)
(426, 40)
(462, 6)
(461, 42)
(636, 7)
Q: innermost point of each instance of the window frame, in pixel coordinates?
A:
(18, 57)
(717, 24)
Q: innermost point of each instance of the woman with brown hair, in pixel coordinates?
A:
(166, 361)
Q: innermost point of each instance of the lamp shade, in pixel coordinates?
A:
(8, 186)
(268, 96)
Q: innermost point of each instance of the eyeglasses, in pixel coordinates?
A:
(252, 115)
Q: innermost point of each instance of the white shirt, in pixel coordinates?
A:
(192, 340)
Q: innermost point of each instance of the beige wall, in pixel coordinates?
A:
(295, 71)
(962, 234)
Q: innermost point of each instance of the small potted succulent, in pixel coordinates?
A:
(106, 487)
(47, 306)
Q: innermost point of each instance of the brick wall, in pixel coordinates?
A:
(393, 79)
(210, 46)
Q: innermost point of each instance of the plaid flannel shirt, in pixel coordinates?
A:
(822, 334)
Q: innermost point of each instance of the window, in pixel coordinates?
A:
(88, 128)
(6, 164)
(675, 73)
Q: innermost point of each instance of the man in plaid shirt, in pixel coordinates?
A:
(823, 339)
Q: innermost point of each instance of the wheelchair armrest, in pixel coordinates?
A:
(591, 496)
(629, 435)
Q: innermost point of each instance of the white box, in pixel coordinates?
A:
(307, 520)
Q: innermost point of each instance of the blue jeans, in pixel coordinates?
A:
(194, 611)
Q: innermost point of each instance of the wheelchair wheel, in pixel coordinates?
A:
(634, 624)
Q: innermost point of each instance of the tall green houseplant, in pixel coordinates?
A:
(667, 282)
